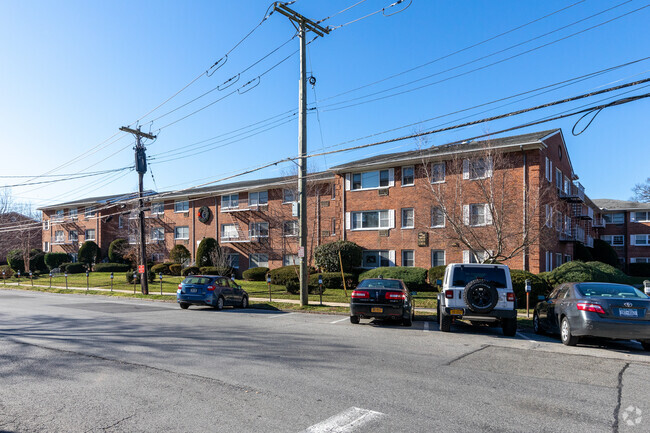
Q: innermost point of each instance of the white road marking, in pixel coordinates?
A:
(275, 316)
(340, 320)
(523, 336)
(346, 421)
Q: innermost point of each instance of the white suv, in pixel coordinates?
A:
(478, 293)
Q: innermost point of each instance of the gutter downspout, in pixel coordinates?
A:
(525, 205)
(343, 227)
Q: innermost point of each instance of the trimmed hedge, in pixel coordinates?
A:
(89, 252)
(37, 261)
(175, 269)
(414, 278)
(436, 273)
(111, 267)
(205, 251)
(582, 253)
(54, 260)
(640, 269)
(75, 268)
(327, 256)
(539, 286)
(585, 272)
(15, 260)
(333, 280)
(7, 270)
(216, 270)
(194, 270)
(116, 250)
(161, 268)
(179, 254)
(256, 274)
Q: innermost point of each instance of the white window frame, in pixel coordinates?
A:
(227, 201)
(389, 179)
(468, 212)
(74, 238)
(612, 240)
(259, 200)
(558, 221)
(469, 171)
(158, 208)
(181, 206)
(385, 218)
(386, 257)
(290, 259)
(179, 235)
(610, 215)
(59, 236)
(549, 215)
(157, 233)
(73, 213)
(412, 252)
(46, 246)
(558, 259)
(46, 225)
(640, 260)
(87, 235)
(288, 193)
(644, 219)
(255, 229)
(433, 172)
(634, 240)
(412, 168)
(295, 229)
(258, 260)
(89, 212)
(559, 177)
(231, 230)
(120, 224)
(472, 256)
(59, 214)
(404, 219)
(444, 257)
(444, 219)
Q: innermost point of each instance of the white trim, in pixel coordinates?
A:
(412, 167)
(181, 238)
(180, 202)
(402, 219)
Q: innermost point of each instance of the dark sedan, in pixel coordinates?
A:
(608, 310)
(382, 298)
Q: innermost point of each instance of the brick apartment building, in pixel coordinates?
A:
(417, 208)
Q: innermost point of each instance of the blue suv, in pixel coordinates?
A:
(211, 290)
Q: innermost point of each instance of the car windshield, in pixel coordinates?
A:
(464, 274)
(380, 284)
(197, 280)
(605, 290)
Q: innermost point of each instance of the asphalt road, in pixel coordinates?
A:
(75, 363)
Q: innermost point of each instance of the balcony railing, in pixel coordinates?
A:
(590, 241)
(234, 239)
(598, 222)
(582, 212)
(576, 193)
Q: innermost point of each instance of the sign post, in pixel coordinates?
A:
(268, 283)
(134, 274)
(320, 288)
(30, 278)
(111, 281)
(4, 281)
(160, 276)
(66, 280)
(528, 290)
(50, 280)
(87, 282)
(18, 273)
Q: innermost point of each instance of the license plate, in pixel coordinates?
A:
(628, 312)
(456, 312)
(193, 290)
(376, 310)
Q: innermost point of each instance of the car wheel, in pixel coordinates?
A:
(184, 306)
(509, 327)
(646, 345)
(565, 333)
(219, 304)
(536, 326)
(244, 302)
(354, 320)
(408, 321)
(445, 323)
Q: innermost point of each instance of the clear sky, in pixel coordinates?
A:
(73, 72)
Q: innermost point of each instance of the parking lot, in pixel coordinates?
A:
(86, 363)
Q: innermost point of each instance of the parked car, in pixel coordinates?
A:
(609, 310)
(480, 293)
(210, 290)
(382, 298)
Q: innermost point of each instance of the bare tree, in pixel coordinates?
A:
(642, 191)
(20, 227)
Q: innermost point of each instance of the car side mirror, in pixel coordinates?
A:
(439, 282)
(541, 298)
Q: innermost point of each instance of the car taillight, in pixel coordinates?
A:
(180, 287)
(395, 295)
(510, 297)
(449, 294)
(211, 288)
(360, 294)
(590, 306)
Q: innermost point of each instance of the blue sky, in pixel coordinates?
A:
(73, 72)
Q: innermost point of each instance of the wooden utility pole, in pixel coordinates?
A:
(302, 25)
(141, 168)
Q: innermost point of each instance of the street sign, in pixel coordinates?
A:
(141, 269)
(301, 252)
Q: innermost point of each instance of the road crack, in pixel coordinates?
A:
(619, 389)
(466, 355)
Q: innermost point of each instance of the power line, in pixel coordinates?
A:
(72, 177)
(382, 10)
(341, 11)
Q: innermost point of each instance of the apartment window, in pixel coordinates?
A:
(549, 216)
(73, 236)
(437, 258)
(408, 218)
(119, 222)
(614, 240)
(230, 201)
(46, 247)
(558, 221)
(59, 236)
(46, 225)
(258, 198)
(58, 215)
(233, 260)
(408, 176)
(567, 258)
(157, 257)
(408, 258)
(549, 261)
(288, 195)
(558, 259)
(182, 232)
(635, 259)
(72, 213)
(158, 208)
(372, 179)
(158, 234)
(259, 230)
(133, 239)
(549, 170)
(376, 259)
(477, 168)
(567, 224)
(477, 214)
(558, 179)
(333, 189)
(89, 212)
(182, 206)
(229, 231)
(614, 218)
(290, 228)
(90, 235)
(333, 228)
(259, 261)
(290, 259)
(641, 217)
(567, 185)
(438, 172)
(475, 256)
(372, 220)
(641, 240)
(437, 217)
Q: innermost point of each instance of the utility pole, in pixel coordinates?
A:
(302, 25)
(141, 168)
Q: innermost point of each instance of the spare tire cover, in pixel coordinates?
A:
(480, 296)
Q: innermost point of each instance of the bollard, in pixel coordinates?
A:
(528, 290)
(134, 282)
(87, 283)
(50, 280)
(320, 288)
(268, 283)
(4, 281)
(18, 273)
(111, 281)
(160, 276)
(31, 279)
(66, 280)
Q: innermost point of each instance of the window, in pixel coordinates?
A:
(373, 220)
(635, 259)
(372, 179)
(119, 222)
(567, 258)
(90, 235)
(567, 225)
(288, 195)
(614, 218)
(437, 217)
(333, 189)
(73, 213)
(408, 258)
(157, 234)
(158, 208)
(567, 185)
(477, 214)
(73, 236)
(438, 172)
(181, 206)
(46, 247)
(475, 256)
(290, 259)
(229, 231)
(558, 179)
(408, 218)
(157, 257)
(89, 212)
(462, 275)
(230, 201)
(375, 259)
(58, 215)
(478, 168)
(549, 170)
(259, 261)
(233, 260)
(641, 217)
(181, 232)
(333, 228)
(641, 240)
(133, 239)
(408, 176)
(59, 236)
(614, 240)
(437, 258)
(259, 230)
(549, 216)
(290, 228)
(46, 225)
(558, 259)
(74, 257)
(549, 261)
(558, 221)
(258, 198)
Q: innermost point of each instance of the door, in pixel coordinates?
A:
(543, 308)
(226, 290)
(554, 307)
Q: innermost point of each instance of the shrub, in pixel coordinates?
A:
(75, 268)
(327, 256)
(582, 253)
(117, 249)
(55, 260)
(37, 261)
(436, 273)
(194, 270)
(538, 287)
(179, 254)
(175, 269)
(64, 266)
(584, 272)
(256, 274)
(89, 253)
(640, 269)
(604, 252)
(333, 280)
(161, 268)
(414, 278)
(7, 270)
(112, 267)
(15, 260)
(214, 270)
(129, 277)
(205, 252)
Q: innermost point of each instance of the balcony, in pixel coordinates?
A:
(575, 234)
(575, 193)
(234, 239)
(590, 241)
(582, 212)
(598, 222)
